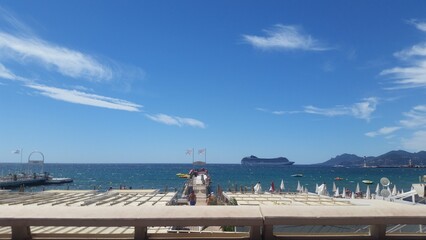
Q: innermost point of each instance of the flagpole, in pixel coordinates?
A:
(192, 156)
(205, 155)
(21, 160)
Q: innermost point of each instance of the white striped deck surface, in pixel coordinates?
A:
(85, 198)
(266, 198)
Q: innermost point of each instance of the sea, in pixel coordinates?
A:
(228, 176)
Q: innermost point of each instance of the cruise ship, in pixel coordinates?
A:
(253, 160)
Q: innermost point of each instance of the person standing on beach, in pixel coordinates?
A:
(192, 198)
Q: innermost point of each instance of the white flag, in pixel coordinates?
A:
(189, 152)
(201, 151)
(17, 151)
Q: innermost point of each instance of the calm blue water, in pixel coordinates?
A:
(160, 176)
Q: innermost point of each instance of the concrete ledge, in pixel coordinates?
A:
(341, 215)
(260, 219)
(130, 216)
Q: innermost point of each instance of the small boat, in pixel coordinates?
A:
(182, 175)
(367, 182)
(297, 175)
(338, 178)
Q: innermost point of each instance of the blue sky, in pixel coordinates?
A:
(142, 82)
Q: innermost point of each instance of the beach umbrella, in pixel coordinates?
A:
(272, 188)
(316, 187)
(306, 190)
(299, 188)
(282, 185)
(353, 195)
(377, 190)
(336, 194)
(344, 192)
(402, 191)
(357, 190)
(394, 191)
(321, 189)
(334, 186)
(257, 188)
(367, 193)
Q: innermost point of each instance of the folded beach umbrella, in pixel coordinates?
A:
(378, 189)
(367, 193)
(357, 190)
(272, 188)
(394, 191)
(282, 185)
(336, 194)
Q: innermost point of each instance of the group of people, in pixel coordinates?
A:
(210, 200)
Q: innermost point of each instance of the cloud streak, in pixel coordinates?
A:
(66, 61)
(415, 118)
(6, 73)
(22, 49)
(383, 131)
(276, 112)
(361, 110)
(78, 97)
(416, 142)
(413, 75)
(176, 121)
(284, 37)
(418, 24)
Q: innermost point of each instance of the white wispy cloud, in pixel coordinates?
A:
(413, 74)
(362, 110)
(13, 23)
(20, 47)
(177, 121)
(78, 97)
(416, 142)
(418, 24)
(285, 37)
(6, 73)
(383, 131)
(415, 118)
(66, 61)
(276, 112)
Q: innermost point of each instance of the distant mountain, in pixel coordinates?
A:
(389, 159)
(345, 160)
